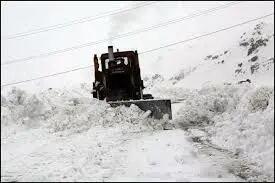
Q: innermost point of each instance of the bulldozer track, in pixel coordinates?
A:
(233, 162)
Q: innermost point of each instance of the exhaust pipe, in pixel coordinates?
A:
(110, 53)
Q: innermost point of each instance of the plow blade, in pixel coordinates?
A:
(157, 107)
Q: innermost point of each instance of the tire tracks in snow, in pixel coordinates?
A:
(163, 156)
(235, 164)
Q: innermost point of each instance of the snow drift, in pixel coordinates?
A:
(239, 118)
(57, 134)
(68, 111)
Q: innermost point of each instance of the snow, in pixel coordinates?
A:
(210, 103)
(238, 118)
(65, 136)
(221, 130)
(222, 66)
(145, 160)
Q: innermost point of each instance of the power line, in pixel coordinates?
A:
(151, 50)
(121, 35)
(46, 76)
(197, 37)
(78, 21)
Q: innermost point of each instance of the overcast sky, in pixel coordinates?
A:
(17, 17)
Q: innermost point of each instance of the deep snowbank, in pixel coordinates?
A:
(239, 118)
(68, 112)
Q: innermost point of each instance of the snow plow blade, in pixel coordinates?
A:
(157, 107)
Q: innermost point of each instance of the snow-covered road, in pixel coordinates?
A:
(166, 156)
(107, 154)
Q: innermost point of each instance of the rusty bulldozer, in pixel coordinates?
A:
(119, 83)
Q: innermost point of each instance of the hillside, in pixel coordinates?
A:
(251, 57)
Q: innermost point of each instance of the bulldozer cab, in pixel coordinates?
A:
(120, 76)
(119, 83)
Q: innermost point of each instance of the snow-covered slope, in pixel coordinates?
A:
(251, 57)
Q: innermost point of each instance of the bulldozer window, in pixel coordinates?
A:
(119, 60)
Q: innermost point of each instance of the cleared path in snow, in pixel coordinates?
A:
(166, 156)
(108, 155)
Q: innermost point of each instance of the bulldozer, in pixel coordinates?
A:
(118, 81)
